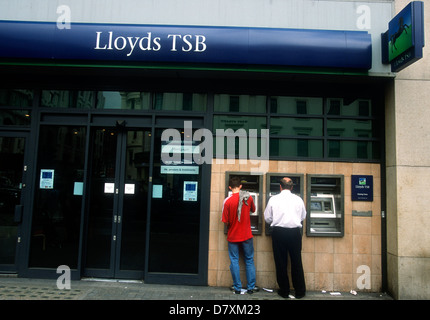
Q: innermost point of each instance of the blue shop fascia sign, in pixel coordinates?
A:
(403, 43)
(186, 44)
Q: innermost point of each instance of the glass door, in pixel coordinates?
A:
(176, 205)
(58, 197)
(12, 149)
(117, 207)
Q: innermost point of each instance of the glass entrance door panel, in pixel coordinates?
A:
(134, 184)
(119, 177)
(175, 211)
(11, 174)
(57, 206)
(101, 200)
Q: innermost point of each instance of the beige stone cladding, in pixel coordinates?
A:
(407, 123)
(331, 264)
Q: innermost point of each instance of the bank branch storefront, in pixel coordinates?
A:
(90, 114)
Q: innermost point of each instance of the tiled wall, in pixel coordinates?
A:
(330, 264)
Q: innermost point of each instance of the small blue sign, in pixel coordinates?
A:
(361, 188)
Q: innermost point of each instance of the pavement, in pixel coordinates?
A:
(13, 288)
(94, 297)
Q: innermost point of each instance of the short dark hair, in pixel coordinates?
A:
(234, 182)
(286, 184)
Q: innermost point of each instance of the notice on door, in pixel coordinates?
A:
(47, 179)
(157, 191)
(190, 191)
(109, 187)
(78, 189)
(129, 188)
(179, 170)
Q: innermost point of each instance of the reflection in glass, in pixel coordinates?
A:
(296, 126)
(296, 105)
(123, 100)
(11, 164)
(180, 101)
(343, 149)
(67, 99)
(238, 147)
(14, 117)
(57, 205)
(306, 148)
(16, 98)
(239, 103)
(238, 122)
(350, 107)
(233, 132)
(351, 128)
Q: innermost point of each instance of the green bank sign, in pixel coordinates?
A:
(404, 41)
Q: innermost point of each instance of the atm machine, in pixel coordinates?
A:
(325, 209)
(272, 188)
(253, 184)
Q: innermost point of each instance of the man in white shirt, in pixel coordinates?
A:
(285, 213)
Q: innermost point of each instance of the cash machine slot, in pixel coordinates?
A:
(325, 195)
(253, 184)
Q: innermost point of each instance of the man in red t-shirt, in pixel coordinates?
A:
(236, 215)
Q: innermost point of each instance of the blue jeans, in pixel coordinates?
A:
(248, 252)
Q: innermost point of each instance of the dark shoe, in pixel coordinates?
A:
(299, 296)
(251, 291)
(234, 290)
(283, 294)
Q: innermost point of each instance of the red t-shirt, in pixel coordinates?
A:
(238, 231)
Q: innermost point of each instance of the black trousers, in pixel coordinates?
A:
(286, 242)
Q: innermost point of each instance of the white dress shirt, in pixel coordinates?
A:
(285, 210)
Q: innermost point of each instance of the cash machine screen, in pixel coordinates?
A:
(323, 206)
